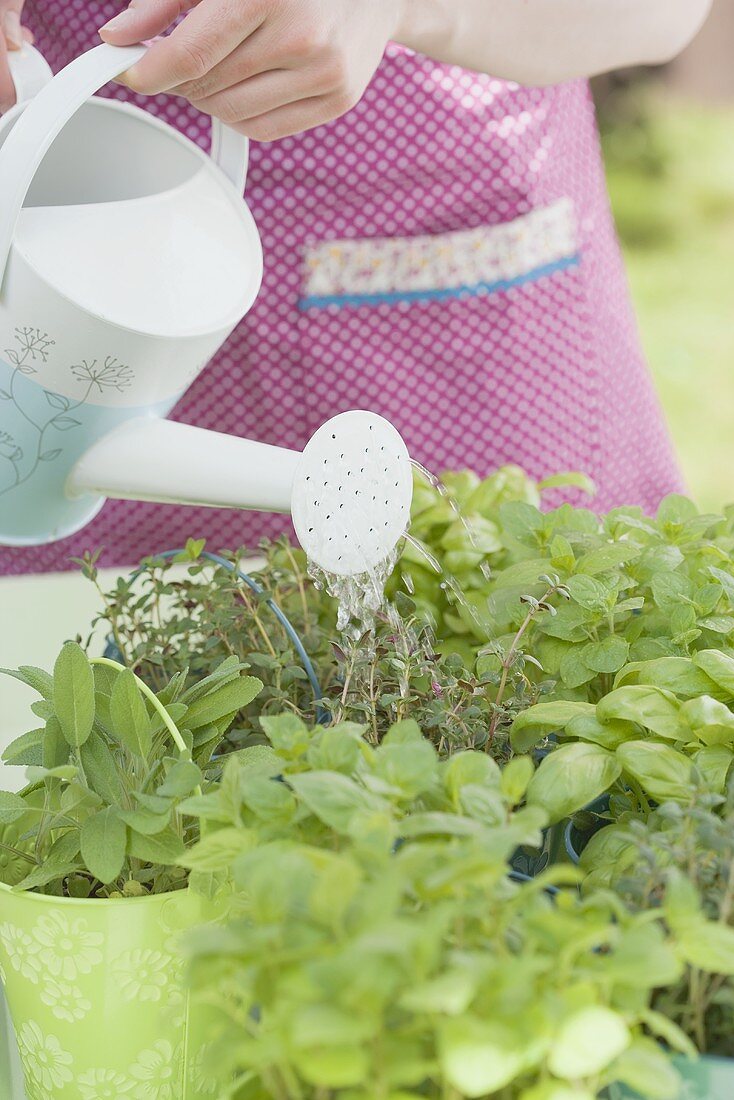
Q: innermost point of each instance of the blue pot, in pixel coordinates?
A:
(705, 1079)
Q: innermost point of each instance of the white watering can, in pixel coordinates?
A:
(127, 256)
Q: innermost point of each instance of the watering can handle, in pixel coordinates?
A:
(49, 111)
(30, 72)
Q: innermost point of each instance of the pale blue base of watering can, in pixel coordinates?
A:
(42, 435)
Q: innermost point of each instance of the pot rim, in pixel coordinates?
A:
(108, 903)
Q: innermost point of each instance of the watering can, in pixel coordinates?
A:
(127, 257)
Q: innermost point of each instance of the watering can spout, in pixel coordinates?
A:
(166, 462)
(349, 492)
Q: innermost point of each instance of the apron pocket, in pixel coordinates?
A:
(476, 344)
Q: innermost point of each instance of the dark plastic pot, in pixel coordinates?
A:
(576, 838)
(531, 861)
(705, 1079)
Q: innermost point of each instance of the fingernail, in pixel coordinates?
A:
(119, 22)
(13, 30)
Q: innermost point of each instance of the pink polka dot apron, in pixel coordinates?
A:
(445, 256)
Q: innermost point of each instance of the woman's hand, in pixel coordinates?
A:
(12, 37)
(269, 68)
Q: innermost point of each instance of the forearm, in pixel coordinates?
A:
(549, 41)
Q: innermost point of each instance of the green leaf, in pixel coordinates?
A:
(334, 798)
(337, 749)
(74, 694)
(562, 555)
(669, 1033)
(165, 849)
(569, 480)
(607, 558)
(63, 858)
(55, 746)
(714, 763)
(516, 776)
(152, 802)
(607, 656)
(477, 1059)
(522, 520)
(183, 778)
(670, 590)
(287, 734)
(707, 945)
(410, 767)
(650, 707)
(66, 772)
(328, 1066)
(26, 750)
(470, 769)
(676, 509)
(36, 678)
(590, 594)
(129, 715)
(647, 1070)
(268, 799)
(573, 667)
(674, 674)
(711, 721)
(718, 666)
(12, 807)
(535, 722)
(100, 770)
(661, 771)
(725, 580)
(641, 958)
(607, 734)
(449, 994)
(223, 702)
(145, 822)
(103, 843)
(587, 1042)
(571, 777)
(217, 851)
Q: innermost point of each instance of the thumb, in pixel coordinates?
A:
(143, 19)
(10, 13)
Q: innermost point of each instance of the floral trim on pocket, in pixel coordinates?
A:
(451, 265)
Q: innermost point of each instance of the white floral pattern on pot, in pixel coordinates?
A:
(142, 975)
(103, 1084)
(66, 947)
(65, 1001)
(44, 1058)
(22, 952)
(72, 988)
(155, 1070)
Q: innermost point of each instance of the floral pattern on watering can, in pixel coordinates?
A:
(98, 1015)
(43, 432)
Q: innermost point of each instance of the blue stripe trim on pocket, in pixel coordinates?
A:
(438, 294)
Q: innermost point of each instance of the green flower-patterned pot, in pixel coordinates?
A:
(704, 1079)
(96, 995)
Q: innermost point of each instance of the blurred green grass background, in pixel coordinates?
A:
(670, 167)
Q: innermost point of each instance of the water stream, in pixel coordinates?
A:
(361, 598)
